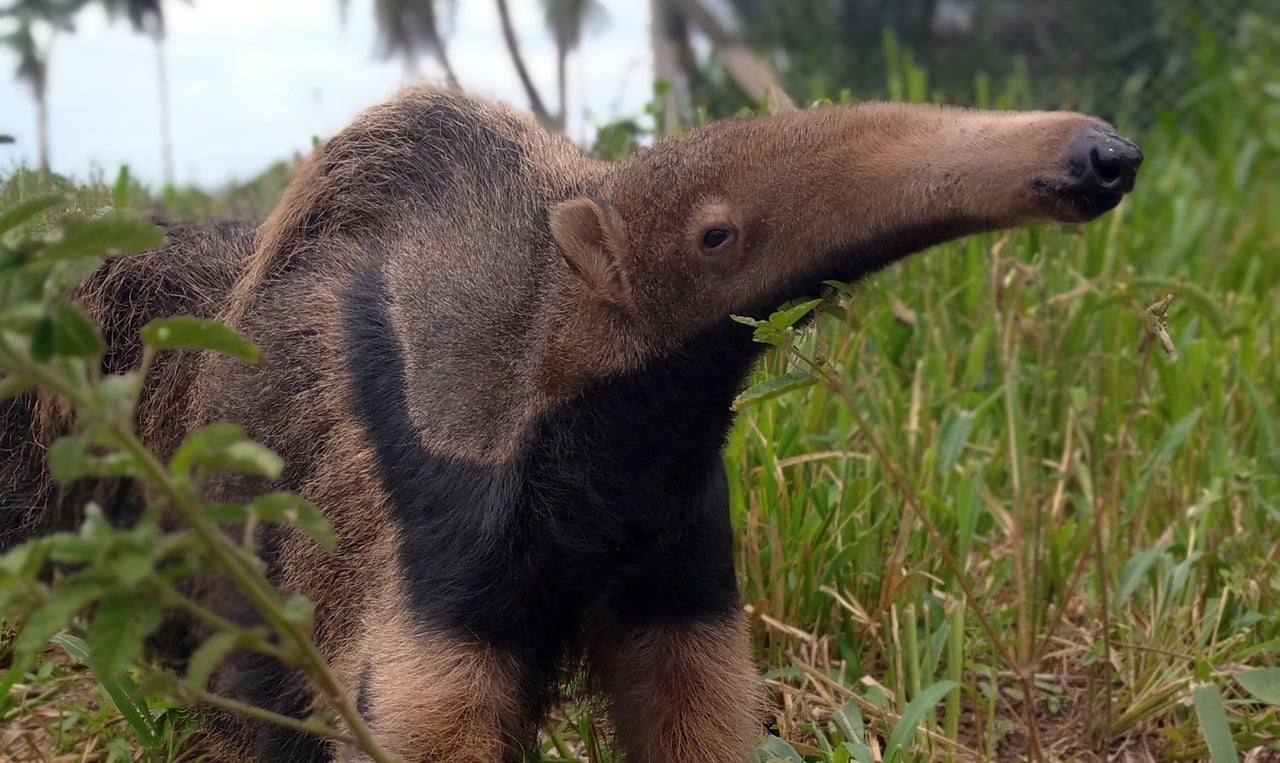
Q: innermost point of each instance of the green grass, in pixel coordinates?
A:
(996, 460)
(1002, 526)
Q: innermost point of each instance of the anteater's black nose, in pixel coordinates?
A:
(1100, 160)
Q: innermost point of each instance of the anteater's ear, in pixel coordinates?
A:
(590, 238)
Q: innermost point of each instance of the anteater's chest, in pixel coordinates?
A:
(519, 553)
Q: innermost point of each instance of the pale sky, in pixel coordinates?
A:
(252, 81)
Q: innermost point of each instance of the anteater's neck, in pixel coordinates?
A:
(655, 430)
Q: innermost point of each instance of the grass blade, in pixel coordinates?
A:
(1213, 722)
(905, 730)
(123, 692)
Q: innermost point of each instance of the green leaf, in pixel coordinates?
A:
(773, 387)
(223, 446)
(187, 333)
(1262, 683)
(848, 720)
(23, 212)
(74, 335)
(952, 439)
(66, 548)
(121, 388)
(774, 749)
(205, 658)
(204, 440)
(287, 507)
(905, 730)
(1133, 572)
(1213, 722)
(297, 609)
(119, 464)
(120, 193)
(847, 289)
(120, 624)
(1168, 445)
(52, 616)
(225, 513)
(244, 457)
(788, 317)
(67, 457)
(42, 340)
(123, 692)
(131, 565)
(101, 237)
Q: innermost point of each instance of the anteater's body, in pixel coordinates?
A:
(503, 370)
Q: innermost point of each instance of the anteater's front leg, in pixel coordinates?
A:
(430, 696)
(673, 652)
(683, 692)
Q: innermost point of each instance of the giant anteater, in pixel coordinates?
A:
(503, 369)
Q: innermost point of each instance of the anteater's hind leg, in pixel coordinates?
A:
(681, 692)
(431, 697)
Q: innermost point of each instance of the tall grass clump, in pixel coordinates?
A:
(995, 479)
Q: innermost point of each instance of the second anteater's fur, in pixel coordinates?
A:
(192, 275)
(503, 370)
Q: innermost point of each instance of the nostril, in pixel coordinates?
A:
(1107, 169)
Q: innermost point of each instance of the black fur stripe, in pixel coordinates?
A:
(619, 500)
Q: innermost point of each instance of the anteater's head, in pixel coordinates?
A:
(743, 214)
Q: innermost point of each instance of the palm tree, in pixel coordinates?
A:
(147, 16)
(678, 19)
(33, 57)
(566, 20)
(408, 29)
(57, 15)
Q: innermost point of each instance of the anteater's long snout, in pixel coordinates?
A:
(1102, 168)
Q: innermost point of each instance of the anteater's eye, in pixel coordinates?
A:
(715, 238)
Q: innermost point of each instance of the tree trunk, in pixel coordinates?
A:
(513, 48)
(42, 126)
(562, 84)
(449, 76)
(166, 130)
(666, 66)
(750, 71)
(40, 88)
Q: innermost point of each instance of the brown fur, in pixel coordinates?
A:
(681, 693)
(191, 275)
(460, 704)
(509, 278)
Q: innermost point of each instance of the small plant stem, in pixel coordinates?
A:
(174, 598)
(1026, 665)
(911, 645)
(1096, 531)
(253, 711)
(562, 747)
(955, 669)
